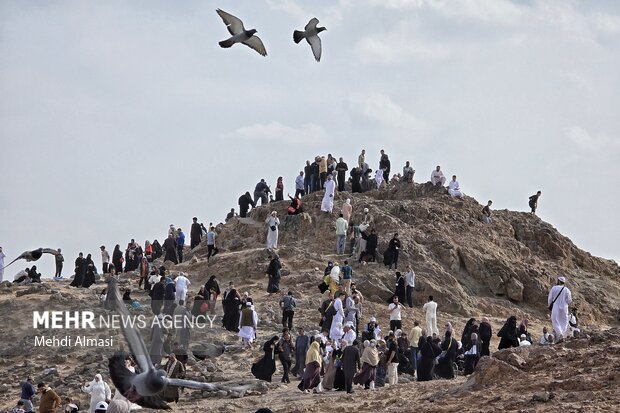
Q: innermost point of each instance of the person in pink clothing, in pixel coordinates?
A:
(347, 210)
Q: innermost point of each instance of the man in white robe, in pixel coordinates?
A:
(335, 333)
(561, 298)
(430, 310)
(379, 178)
(454, 189)
(437, 177)
(181, 282)
(328, 199)
(273, 222)
(248, 321)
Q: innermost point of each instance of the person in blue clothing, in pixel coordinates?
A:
(28, 391)
(180, 244)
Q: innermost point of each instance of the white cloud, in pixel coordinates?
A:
(490, 11)
(288, 6)
(589, 142)
(399, 45)
(309, 133)
(606, 23)
(387, 114)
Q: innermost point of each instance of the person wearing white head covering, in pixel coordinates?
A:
(327, 205)
(99, 392)
(379, 178)
(272, 222)
(248, 321)
(347, 209)
(558, 301)
(181, 282)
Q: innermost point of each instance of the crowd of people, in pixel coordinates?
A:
(339, 352)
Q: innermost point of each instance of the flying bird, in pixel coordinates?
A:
(240, 34)
(311, 34)
(144, 388)
(34, 255)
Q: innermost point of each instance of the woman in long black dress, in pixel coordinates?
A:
(199, 300)
(509, 334)
(212, 283)
(428, 352)
(445, 366)
(117, 259)
(231, 302)
(89, 278)
(80, 271)
(264, 368)
(400, 288)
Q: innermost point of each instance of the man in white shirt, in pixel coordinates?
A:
(105, 259)
(430, 309)
(181, 283)
(299, 185)
(410, 285)
(437, 177)
(454, 189)
(394, 310)
(559, 299)
(334, 278)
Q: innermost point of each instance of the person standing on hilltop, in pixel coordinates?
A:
(195, 234)
(180, 243)
(117, 259)
(558, 301)
(430, 311)
(307, 178)
(170, 247)
(300, 185)
(322, 171)
(327, 205)
(533, 203)
(211, 250)
(105, 259)
(260, 192)
(315, 183)
(244, 202)
(342, 169)
(384, 164)
(279, 189)
(437, 177)
(272, 222)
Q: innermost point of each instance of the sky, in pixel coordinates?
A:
(118, 118)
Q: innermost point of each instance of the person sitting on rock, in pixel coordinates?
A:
(573, 324)
(19, 408)
(22, 277)
(295, 207)
(523, 342)
(547, 338)
(454, 188)
(408, 173)
(437, 177)
(486, 213)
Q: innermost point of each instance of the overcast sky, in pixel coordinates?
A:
(118, 118)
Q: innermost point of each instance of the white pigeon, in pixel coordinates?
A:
(311, 35)
(240, 34)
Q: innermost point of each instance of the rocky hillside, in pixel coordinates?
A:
(470, 267)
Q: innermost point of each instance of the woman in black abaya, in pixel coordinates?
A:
(264, 368)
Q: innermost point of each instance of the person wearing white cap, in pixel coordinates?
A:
(558, 301)
(101, 407)
(248, 321)
(349, 333)
(523, 342)
(181, 282)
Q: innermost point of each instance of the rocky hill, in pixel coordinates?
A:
(471, 268)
